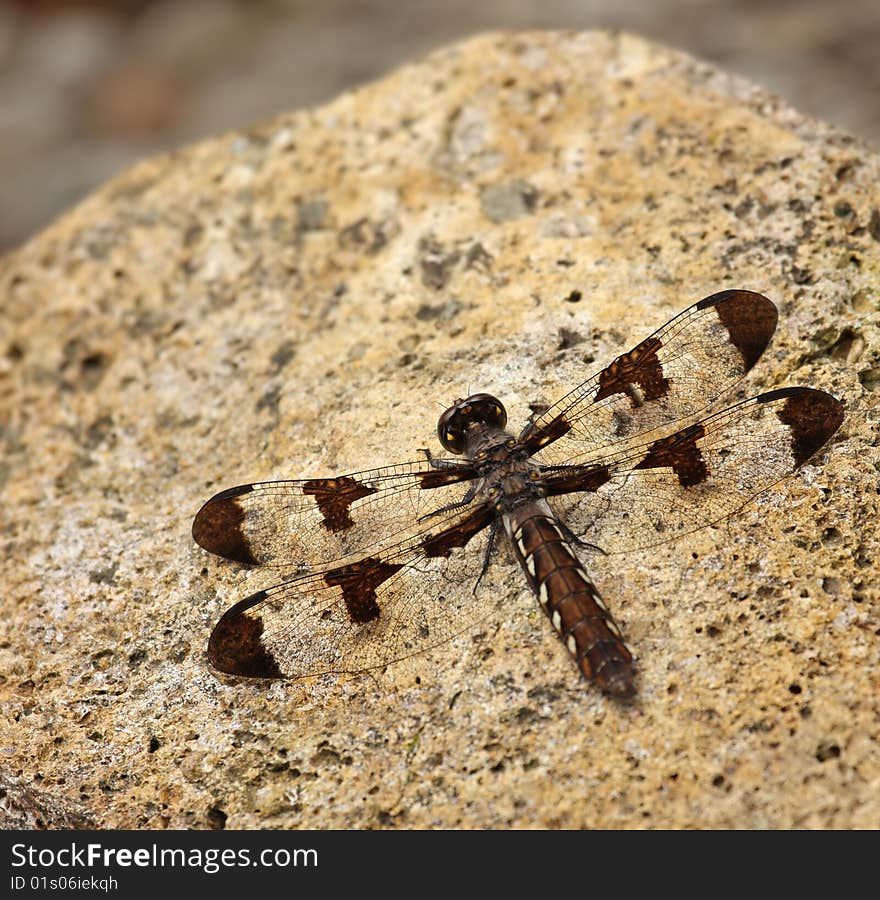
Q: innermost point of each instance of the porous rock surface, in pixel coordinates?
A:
(303, 298)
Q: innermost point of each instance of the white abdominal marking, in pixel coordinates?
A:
(543, 596)
(556, 528)
(612, 627)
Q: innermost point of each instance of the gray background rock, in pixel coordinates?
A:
(86, 88)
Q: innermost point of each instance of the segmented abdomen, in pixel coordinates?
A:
(571, 600)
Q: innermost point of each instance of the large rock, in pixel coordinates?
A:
(303, 298)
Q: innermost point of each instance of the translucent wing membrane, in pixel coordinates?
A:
(660, 490)
(316, 522)
(679, 370)
(363, 615)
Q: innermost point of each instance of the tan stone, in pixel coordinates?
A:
(303, 298)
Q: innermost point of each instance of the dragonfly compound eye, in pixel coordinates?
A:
(478, 408)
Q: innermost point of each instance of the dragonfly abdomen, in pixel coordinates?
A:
(570, 599)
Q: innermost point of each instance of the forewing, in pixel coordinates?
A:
(660, 490)
(362, 615)
(679, 370)
(316, 522)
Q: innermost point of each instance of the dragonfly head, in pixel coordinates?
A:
(477, 409)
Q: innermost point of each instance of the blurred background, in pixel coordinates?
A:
(89, 86)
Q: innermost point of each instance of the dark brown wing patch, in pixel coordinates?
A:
(444, 542)
(637, 374)
(334, 497)
(534, 438)
(573, 479)
(236, 645)
(813, 416)
(680, 453)
(358, 583)
(439, 477)
(218, 526)
(750, 320)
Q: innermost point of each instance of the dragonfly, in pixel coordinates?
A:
(386, 563)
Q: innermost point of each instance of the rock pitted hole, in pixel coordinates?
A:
(827, 750)
(217, 818)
